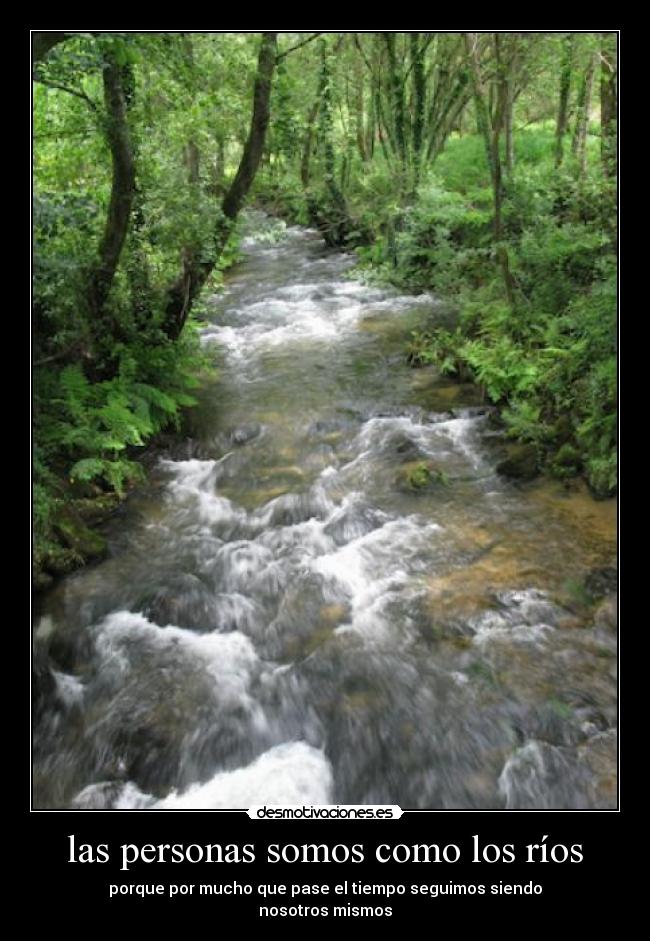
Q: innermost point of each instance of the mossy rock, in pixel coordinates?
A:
(566, 462)
(42, 581)
(94, 510)
(60, 561)
(70, 544)
(79, 538)
(563, 430)
(417, 476)
(602, 476)
(521, 464)
(601, 582)
(606, 615)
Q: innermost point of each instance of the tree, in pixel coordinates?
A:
(565, 91)
(195, 270)
(608, 101)
(491, 127)
(122, 187)
(579, 143)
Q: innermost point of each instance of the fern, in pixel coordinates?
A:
(75, 386)
(116, 473)
(87, 469)
(152, 396)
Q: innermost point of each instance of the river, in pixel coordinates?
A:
(284, 616)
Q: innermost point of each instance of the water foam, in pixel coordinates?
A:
(290, 773)
(230, 658)
(366, 570)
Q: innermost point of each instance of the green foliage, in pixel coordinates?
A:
(523, 421)
(339, 155)
(419, 476)
(462, 165)
(550, 359)
(107, 381)
(272, 234)
(422, 474)
(566, 462)
(502, 366)
(439, 346)
(545, 352)
(88, 434)
(561, 709)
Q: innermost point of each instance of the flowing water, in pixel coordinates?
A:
(285, 617)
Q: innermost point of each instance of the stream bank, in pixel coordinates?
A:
(283, 616)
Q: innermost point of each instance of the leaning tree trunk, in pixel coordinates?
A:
(254, 147)
(195, 273)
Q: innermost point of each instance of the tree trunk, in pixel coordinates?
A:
(608, 102)
(137, 270)
(336, 218)
(447, 116)
(491, 130)
(480, 103)
(122, 188)
(396, 88)
(308, 143)
(218, 168)
(579, 146)
(192, 161)
(419, 102)
(501, 105)
(359, 116)
(508, 129)
(565, 90)
(254, 146)
(185, 289)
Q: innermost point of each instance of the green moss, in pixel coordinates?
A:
(567, 462)
(421, 475)
(560, 709)
(73, 532)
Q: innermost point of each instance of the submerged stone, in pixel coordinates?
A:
(521, 463)
(245, 433)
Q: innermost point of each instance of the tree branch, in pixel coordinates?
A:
(298, 45)
(357, 43)
(62, 354)
(71, 91)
